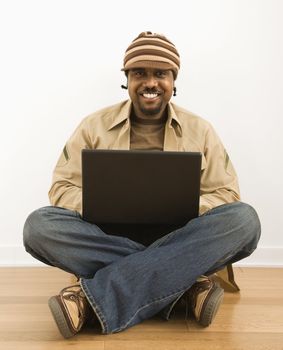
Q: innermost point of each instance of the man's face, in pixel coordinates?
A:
(150, 91)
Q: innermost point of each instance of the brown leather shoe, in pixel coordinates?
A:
(204, 298)
(70, 310)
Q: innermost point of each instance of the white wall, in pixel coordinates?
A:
(60, 60)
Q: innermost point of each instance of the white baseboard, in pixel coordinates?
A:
(262, 257)
(17, 256)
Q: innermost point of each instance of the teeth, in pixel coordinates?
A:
(150, 95)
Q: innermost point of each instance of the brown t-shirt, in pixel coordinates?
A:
(147, 134)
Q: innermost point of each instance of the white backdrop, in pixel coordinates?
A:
(60, 60)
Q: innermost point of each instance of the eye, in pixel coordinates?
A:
(138, 73)
(161, 73)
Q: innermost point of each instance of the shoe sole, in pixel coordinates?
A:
(60, 317)
(210, 308)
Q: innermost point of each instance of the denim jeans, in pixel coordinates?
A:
(126, 282)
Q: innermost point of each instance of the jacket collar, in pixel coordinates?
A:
(124, 115)
(173, 120)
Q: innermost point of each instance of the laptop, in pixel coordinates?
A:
(140, 194)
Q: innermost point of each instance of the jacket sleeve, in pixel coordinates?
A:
(219, 183)
(66, 188)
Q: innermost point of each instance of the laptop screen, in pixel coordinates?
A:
(140, 187)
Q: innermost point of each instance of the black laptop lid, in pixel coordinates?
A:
(140, 187)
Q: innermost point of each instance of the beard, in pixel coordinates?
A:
(151, 111)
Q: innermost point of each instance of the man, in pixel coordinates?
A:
(121, 281)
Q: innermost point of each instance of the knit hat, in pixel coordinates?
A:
(151, 50)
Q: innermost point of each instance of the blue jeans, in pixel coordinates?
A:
(127, 282)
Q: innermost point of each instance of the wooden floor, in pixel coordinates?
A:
(249, 320)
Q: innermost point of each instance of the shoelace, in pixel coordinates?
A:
(196, 289)
(77, 297)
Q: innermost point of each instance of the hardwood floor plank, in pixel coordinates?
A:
(247, 343)
(54, 345)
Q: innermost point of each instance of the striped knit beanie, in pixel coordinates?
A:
(151, 50)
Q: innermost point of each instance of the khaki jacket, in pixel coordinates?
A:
(109, 128)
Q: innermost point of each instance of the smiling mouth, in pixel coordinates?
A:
(150, 95)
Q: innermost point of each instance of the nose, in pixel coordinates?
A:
(150, 81)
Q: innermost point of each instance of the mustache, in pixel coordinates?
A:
(150, 91)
